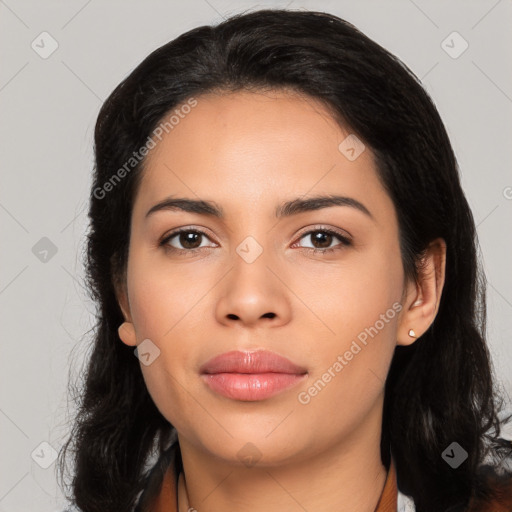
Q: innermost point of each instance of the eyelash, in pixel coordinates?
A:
(345, 242)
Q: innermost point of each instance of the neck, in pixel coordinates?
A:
(347, 476)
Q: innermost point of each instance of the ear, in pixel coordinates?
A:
(423, 296)
(126, 330)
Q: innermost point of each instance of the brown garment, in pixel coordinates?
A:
(502, 486)
(162, 497)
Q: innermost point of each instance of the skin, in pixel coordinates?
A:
(249, 152)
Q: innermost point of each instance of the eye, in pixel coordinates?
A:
(322, 239)
(189, 239)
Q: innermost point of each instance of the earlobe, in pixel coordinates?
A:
(408, 337)
(126, 333)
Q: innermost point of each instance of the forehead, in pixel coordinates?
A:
(223, 122)
(246, 146)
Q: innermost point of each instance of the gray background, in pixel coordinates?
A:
(48, 110)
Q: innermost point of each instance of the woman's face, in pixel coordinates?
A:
(253, 280)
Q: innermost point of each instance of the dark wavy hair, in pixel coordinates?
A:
(439, 390)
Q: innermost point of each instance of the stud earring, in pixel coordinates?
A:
(412, 334)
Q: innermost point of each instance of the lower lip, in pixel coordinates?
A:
(251, 386)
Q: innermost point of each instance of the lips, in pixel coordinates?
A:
(261, 361)
(251, 376)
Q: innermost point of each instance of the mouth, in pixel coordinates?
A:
(251, 376)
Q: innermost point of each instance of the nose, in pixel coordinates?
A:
(254, 294)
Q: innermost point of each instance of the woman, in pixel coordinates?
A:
(279, 234)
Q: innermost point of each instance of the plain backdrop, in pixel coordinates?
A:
(49, 103)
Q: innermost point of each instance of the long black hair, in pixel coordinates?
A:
(439, 390)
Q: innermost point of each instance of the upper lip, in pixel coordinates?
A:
(259, 361)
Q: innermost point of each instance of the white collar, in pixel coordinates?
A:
(404, 503)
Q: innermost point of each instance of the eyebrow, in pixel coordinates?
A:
(286, 209)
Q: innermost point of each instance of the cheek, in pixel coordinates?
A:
(169, 377)
(166, 308)
(353, 297)
(162, 297)
(349, 373)
(360, 306)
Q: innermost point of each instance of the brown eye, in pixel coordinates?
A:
(184, 240)
(322, 240)
(190, 239)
